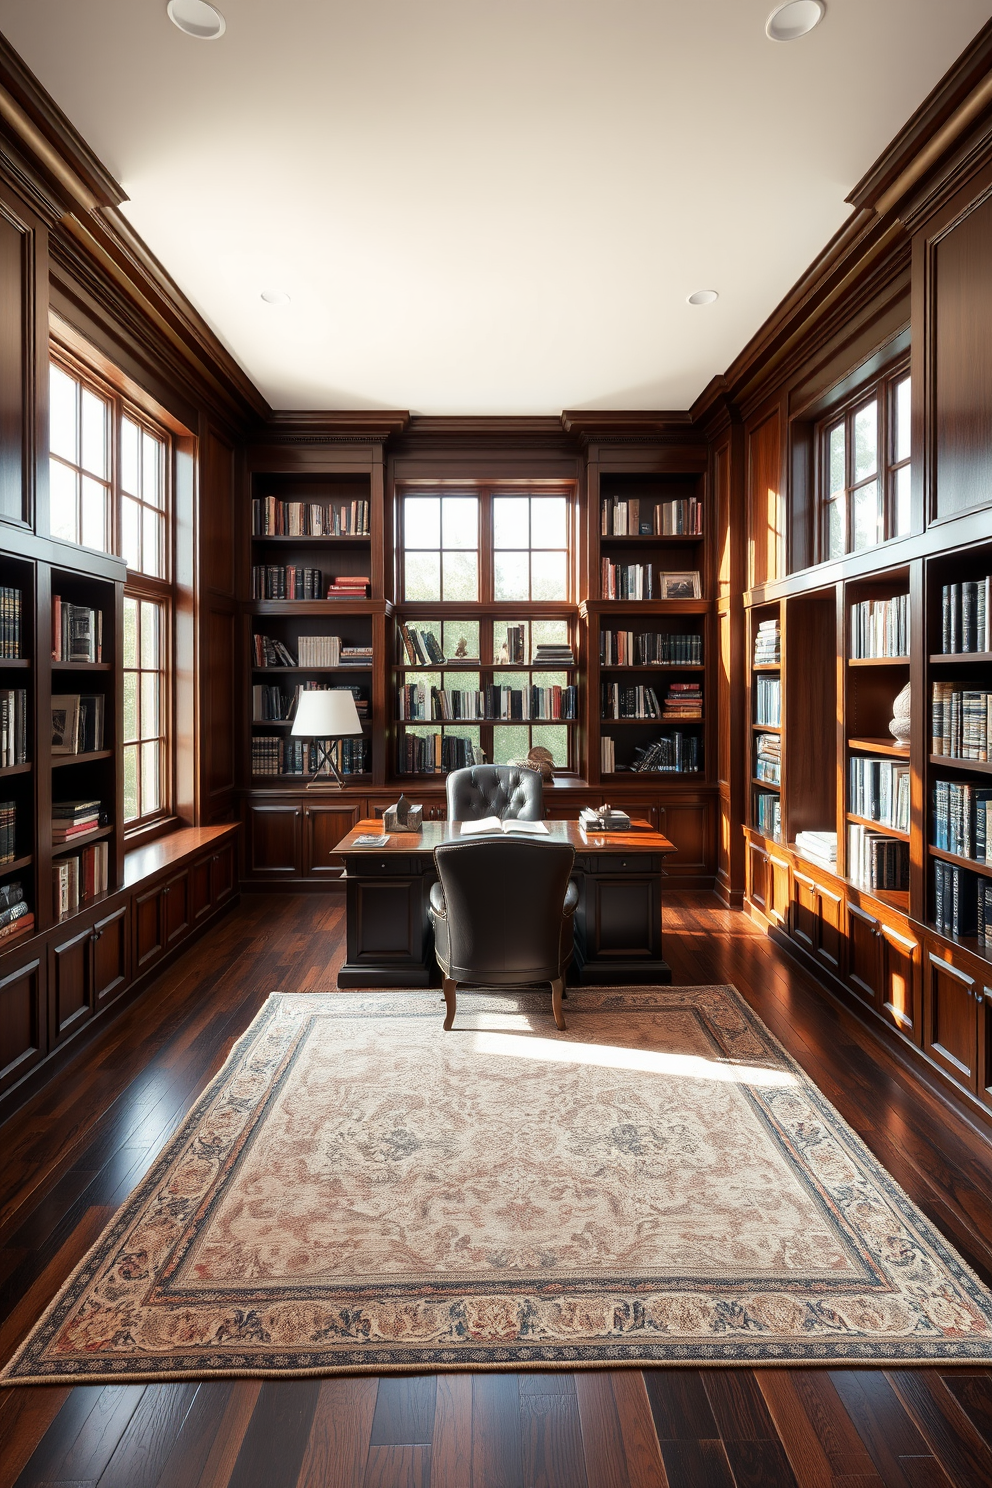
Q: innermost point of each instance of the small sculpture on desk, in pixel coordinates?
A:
(403, 816)
(901, 726)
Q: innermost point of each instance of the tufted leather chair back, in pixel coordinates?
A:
(504, 901)
(506, 791)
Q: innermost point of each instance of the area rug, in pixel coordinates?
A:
(357, 1190)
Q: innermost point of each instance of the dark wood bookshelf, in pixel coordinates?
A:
(82, 666)
(83, 840)
(984, 767)
(17, 769)
(880, 746)
(956, 658)
(765, 785)
(874, 826)
(59, 761)
(984, 869)
(878, 661)
(16, 865)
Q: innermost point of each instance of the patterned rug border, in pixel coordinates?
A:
(303, 1364)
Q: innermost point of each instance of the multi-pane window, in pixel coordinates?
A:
(145, 732)
(441, 548)
(530, 547)
(865, 470)
(142, 483)
(80, 467)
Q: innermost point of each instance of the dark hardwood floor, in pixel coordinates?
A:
(74, 1153)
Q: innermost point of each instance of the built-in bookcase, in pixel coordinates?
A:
(765, 717)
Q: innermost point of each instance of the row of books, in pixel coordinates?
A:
(627, 648)
(880, 627)
(8, 831)
(13, 727)
(77, 631)
(768, 759)
(421, 646)
(768, 643)
(675, 753)
(275, 581)
(961, 818)
(961, 719)
(269, 704)
(966, 616)
(74, 819)
(271, 517)
(78, 722)
(316, 651)
(768, 815)
(511, 652)
(875, 861)
(636, 581)
(962, 902)
(620, 701)
(768, 701)
(490, 704)
(270, 756)
(11, 622)
(637, 518)
(434, 754)
(16, 915)
(81, 877)
(879, 791)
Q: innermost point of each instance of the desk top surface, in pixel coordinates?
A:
(640, 837)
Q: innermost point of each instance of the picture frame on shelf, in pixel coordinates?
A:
(681, 585)
(65, 723)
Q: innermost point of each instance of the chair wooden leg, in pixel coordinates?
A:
(557, 988)
(449, 1003)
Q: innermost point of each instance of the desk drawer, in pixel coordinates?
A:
(371, 865)
(633, 863)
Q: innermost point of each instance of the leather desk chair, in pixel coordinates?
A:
(502, 914)
(506, 791)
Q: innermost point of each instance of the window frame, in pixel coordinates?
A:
(882, 389)
(139, 585)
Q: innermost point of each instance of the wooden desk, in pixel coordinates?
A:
(617, 921)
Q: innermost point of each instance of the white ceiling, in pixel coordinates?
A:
(487, 207)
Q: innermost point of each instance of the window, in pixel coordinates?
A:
(110, 490)
(865, 469)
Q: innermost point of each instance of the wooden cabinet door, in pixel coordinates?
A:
(109, 956)
(864, 971)
(326, 822)
(690, 825)
(70, 988)
(831, 943)
(778, 890)
(200, 896)
(900, 956)
(757, 877)
(950, 1020)
(176, 915)
(23, 1024)
(275, 840)
(804, 920)
(222, 873)
(149, 928)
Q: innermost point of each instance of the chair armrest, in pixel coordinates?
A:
(437, 898)
(571, 897)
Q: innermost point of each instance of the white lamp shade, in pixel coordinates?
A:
(326, 715)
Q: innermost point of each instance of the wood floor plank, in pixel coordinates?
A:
(759, 1463)
(497, 1460)
(551, 1442)
(398, 1467)
(737, 1404)
(28, 1415)
(644, 1461)
(186, 1462)
(679, 1405)
(886, 1429)
(148, 1439)
(404, 1411)
(340, 1433)
(276, 1439)
(819, 1437)
(532, 1382)
(451, 1447)
(230, 1433)
(696, 1464)
(950, 1434)
(602, 1434)
(973, 1393)
(32, 1303)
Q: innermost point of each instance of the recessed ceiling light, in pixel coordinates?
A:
(797, 18)
(197, 18)
(275, 296)
(703, 297)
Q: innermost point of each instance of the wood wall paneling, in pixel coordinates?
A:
(23, 1021)
(217, 515)
(14, 265)
(962, 363)
(766, 501)
(218, 706)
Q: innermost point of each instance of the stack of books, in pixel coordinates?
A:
(962, 902)
(356, 656)
(961, 819)
(627, 580)
(880, 627)
(875, 861)
(768, 644)
(624, 648)
(11, 613)
(768, 759)
(319, 651)
(613, 820)
(421, 646)
(966, 617)
(551, 656)
(16, 917)
(620, 701)
(961, 721)
(684, 700)
(13, 727)
(270, 581)
(271, 517)
(880, 791)
(768, 702)
(72, 819)
(77, 722)
(271, 653)
(348, 586)
(675, 753)
(77, 631)
(8, 831)
(819, 845)
(768, 815)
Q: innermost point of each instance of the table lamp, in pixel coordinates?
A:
(324, 716)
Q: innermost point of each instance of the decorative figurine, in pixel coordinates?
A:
(539, 759)
(461, 650)
(403, 817)
(901, 727)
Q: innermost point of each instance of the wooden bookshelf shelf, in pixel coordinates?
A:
(955, 658)
(985, 869)
(84, 905)
(767, 728)
(18, 663)
(61, 760)
(880, 746)
(16, 865)
(765, 784)
(17, 769)
(659, 723)
(654, 667)
(280, 671)
(82, 666)
(312, 607)
(653, 539)
(874, 826)
(473, 664)
(980, 948)
(767, 666)
(355, 540)
(984, 767)
(877, 661)
(59, 849)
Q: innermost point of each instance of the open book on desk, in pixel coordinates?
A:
(493, 824)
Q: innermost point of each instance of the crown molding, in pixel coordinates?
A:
(362, 426)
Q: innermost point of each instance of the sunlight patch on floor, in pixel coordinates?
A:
(611, 1056)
